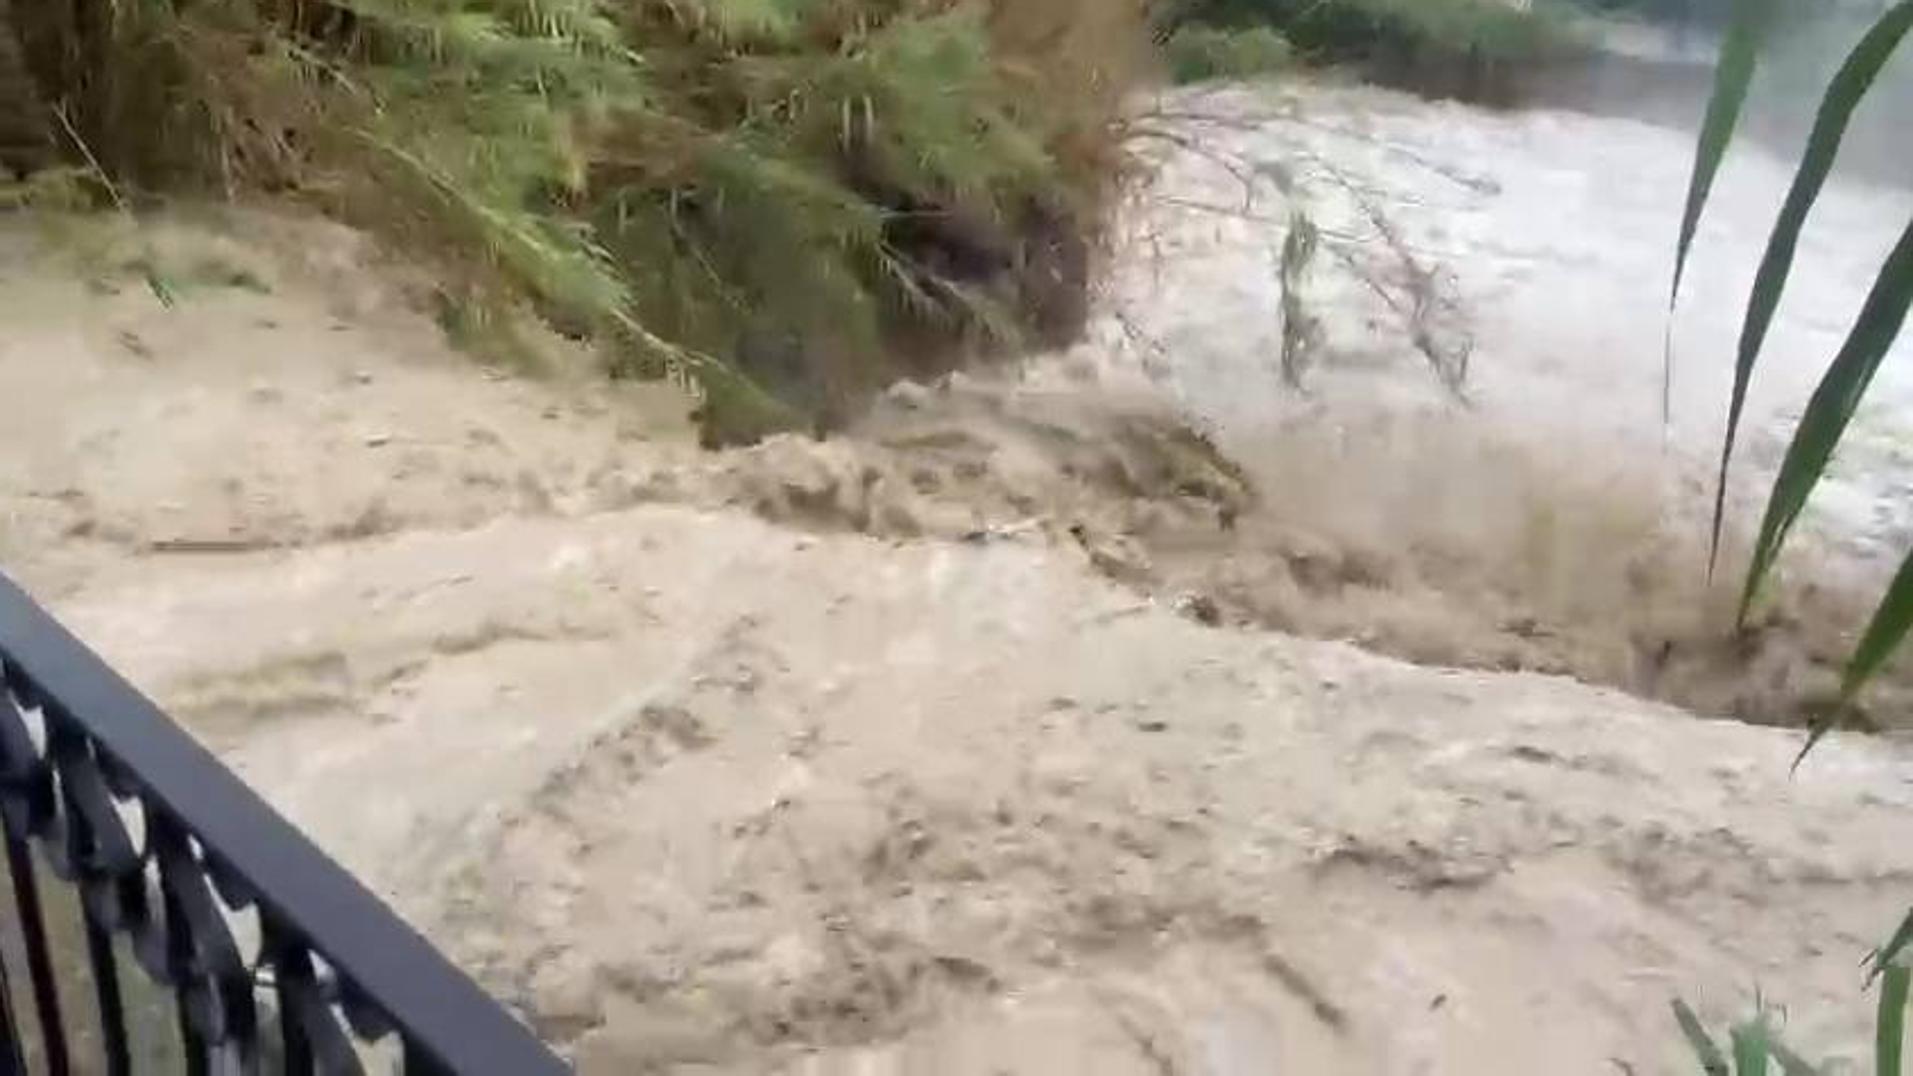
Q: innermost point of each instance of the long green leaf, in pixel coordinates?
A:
(1791, 1064)
(1884, 634)
(1890, 623)
(1751, 1047)
(1890, 1029)
(1832, 407)
(1712, 1061)
(1739, 54)
(1733, 72)
(1888, 953)
(1855, 77)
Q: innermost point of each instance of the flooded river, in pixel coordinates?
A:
(959, 743)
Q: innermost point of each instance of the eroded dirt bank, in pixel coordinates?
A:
(955, 745)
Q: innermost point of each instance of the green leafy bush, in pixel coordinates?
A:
(1202, 53)
(1339, 30)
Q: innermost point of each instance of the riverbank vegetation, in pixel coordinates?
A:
(783, 203)
(770, 199)
(1461, 48)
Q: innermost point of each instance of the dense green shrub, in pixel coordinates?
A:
(1441, 46)
(768, 198)
(1342, 29)
(1198, 53)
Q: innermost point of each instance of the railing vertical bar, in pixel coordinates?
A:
(292, 1038)
(106, 983)
(66, 745)
(191, 1046)
(12, 1061)
(179, 958)
(46, 994)
(290, 965)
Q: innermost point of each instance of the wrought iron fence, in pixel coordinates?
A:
(196, 901)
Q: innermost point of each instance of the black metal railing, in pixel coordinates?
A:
(196, 901)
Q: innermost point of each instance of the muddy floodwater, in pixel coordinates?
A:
(1313, 670)
(1464, 404)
